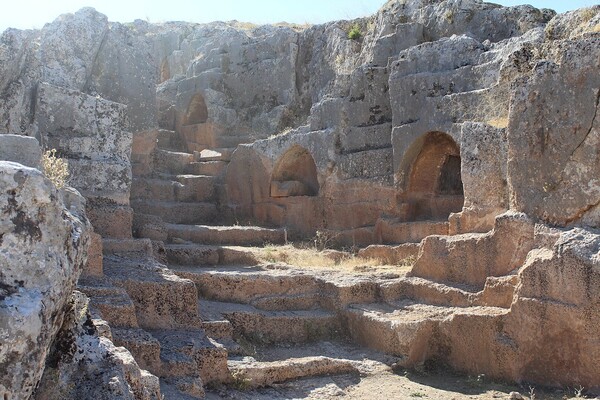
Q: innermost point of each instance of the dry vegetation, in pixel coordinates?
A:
(303, 256)
(55, 168)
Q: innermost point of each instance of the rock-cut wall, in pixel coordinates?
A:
(467, 125)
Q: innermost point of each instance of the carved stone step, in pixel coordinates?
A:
(171, 162)
(408, 329)
(394, 232)
(250, 373)
(223, 154)
(162, 299)
(177, 212)
(211, 168)
(210, 357)
(112, 303)
(243, 284)
(182, 188)
(195, 254)
(226, 235)
(275, 326)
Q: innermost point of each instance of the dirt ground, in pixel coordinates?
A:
(378, 379)
(389, 385)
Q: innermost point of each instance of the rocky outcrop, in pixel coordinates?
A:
(82, 365)
(92, 134)
(553, 137)
(464, 134)
(43, 248)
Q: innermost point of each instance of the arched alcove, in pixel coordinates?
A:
(295, 174)
(435, 187)
(197, 112)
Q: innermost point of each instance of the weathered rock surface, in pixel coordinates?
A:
(21, 149)
(82, 365)
(465, 124)
(554, 134)
(43, 248)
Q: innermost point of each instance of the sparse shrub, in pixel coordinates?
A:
(241, 382)
(55, 168)
(323, 240)
(354, 33)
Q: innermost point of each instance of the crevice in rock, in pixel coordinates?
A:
(591, 124)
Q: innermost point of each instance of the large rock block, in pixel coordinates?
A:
(69, 46)
(472, 258)
(92, 133)
(43, 248)
(483, 151)
(21, 149)
(554, 136)
(125, 72)
(557, 308)
(82, 126)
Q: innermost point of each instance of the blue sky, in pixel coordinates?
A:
(26, 14)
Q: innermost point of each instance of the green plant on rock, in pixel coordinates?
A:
(354, 33)
(55, 168)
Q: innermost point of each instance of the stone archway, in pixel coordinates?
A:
(197, 112)
(434, 188)
(295, 174)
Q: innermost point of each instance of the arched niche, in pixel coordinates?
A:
(197, 112)
(434, 188)
(295, 174)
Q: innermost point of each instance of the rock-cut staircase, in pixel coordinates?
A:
(195, 307)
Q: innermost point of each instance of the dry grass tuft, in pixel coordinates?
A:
(55, 168)
(313, 258)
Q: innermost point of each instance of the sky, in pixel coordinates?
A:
(27, 14)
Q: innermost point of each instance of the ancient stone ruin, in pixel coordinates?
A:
(253, 205)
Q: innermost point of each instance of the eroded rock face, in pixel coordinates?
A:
(554, 135)
(557, 307)
(82, 365)
(43, 247)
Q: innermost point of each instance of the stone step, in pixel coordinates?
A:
(187, 388)
(175, 212)
(143, 346)
(211, 168)
(392, 255)
(222, 154)
(170, 140)
(218, 329)
(302, 301)
(210, 357)
(226, 235)
(172, 162)
(112, 303)
(429, 292)
(244, 284)
(406, 328)
(133, 248)
(260, 326)
(249, 373)
(195, 254)
(389, 231)
(182, 188)
(162, 299)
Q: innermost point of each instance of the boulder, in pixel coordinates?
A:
(21, 149)
(43, 248)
